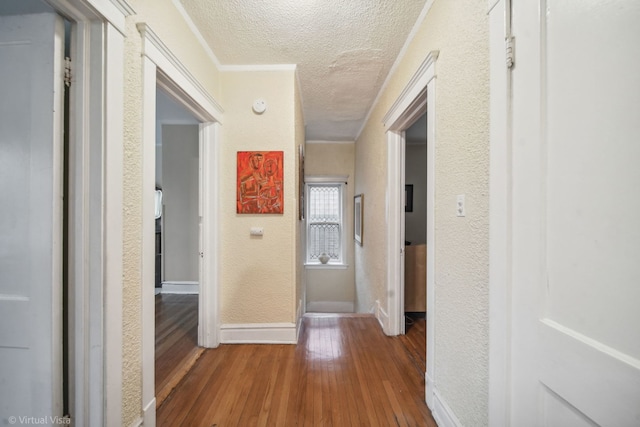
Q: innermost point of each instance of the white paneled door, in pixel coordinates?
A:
(31, 108)
(575, 265)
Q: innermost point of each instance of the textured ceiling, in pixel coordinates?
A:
(344, 49)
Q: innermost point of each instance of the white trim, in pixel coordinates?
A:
(196, 32)
(208, 333)
(327, 266)
(96, 142)
(191, 288)
(149, 71)
(91, 10)
(396, 64)
(395, 232)
(443, 414)
(201, 101)
(327, 179)
(124, 7)
(260, 67)
(259, 333)
(318, 141)
(500, 219)
(149, 413)
(429, 390)
(408, 108)
(161, 69)
(113, 225)
(139, 422)
(330, 307)
(381, 316)
(410, 99)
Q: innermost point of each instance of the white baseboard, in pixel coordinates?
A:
(442, 413)
(330, 307)
(149, 414)
(180, 288)
(259, 333)
(429, 391)
(381, 315)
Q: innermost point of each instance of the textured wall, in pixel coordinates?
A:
(258, 274)
(334, 159)
(459, 30)
(165, 20)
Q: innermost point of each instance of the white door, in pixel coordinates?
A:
(575, 264)
(31, 106)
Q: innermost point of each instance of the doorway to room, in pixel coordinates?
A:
(177, 243)
(417, 98)
(415, 229)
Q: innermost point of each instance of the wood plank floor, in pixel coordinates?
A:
(343, 372)
(176, 340)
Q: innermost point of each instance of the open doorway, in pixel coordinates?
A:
(417, 98)
(415, 229)
(162, 70)
(177, 228)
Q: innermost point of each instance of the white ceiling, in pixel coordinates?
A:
(344, 49)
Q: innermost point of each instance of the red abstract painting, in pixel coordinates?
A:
(260, 182)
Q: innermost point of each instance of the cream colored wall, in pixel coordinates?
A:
(165, 20)
(258, 274)
(459, 30)
(333, 284)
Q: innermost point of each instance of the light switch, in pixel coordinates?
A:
(257, 231)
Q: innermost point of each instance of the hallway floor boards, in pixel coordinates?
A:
(343, 372)
(176, 340)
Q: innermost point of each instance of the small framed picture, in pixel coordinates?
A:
(357, 218)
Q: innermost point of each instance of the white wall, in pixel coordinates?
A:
(330, 289)
(180, 200)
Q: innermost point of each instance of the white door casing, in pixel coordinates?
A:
(418, 95)
(31, 107)
(161, 69)
(572, 348)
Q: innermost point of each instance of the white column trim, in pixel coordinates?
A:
(500, 219)
(208, 330)
(148, 234)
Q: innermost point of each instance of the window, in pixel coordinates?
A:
(325, 229)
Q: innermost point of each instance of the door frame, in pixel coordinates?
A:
(95, 208)
(162, 69)
(500, 218)
(417, 96)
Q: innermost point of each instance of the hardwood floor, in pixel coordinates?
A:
(343, 372)
(176, 340)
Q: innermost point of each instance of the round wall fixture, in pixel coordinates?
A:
(259, 106)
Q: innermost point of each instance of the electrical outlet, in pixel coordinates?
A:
(460, 208)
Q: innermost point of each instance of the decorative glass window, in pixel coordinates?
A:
(325, 230)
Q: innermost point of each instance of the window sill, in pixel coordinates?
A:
(326, 266)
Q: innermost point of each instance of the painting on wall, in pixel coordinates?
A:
(259, 182)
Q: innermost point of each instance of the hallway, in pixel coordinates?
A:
(344, 371)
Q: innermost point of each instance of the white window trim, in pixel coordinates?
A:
(340, 180)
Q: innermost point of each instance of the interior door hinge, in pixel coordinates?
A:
(510, 51)
(67, 71)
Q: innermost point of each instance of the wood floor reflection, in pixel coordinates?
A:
(176, 340)
(343, 372)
